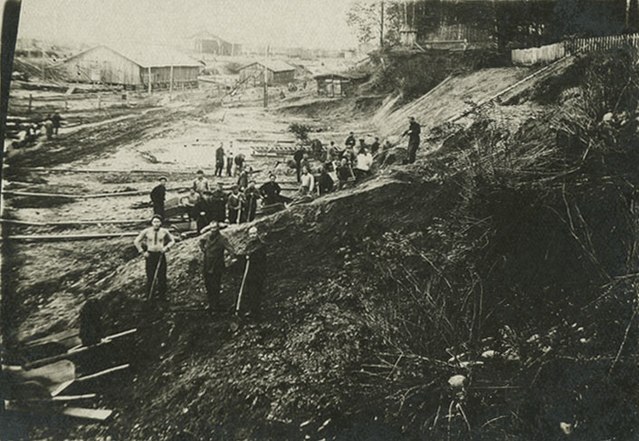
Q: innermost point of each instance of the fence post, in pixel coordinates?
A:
(30, 101)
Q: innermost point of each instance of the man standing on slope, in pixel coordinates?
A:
(153, 242)
(158, 195)
(212, 245)
(413, 132)
(219, 160)
(254, 273)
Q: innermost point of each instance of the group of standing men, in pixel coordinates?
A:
(228, 160)
(214, 210)
(343, 165)
(155, 241)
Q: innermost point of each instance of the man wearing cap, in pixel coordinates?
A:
(158, 195)
(212, 245)
(201, 184)
(255, 272)
(153, 242)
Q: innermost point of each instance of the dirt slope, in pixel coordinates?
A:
(509, 257)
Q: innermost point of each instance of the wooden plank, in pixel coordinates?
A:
(69, 237)
(104, 372)
(87, 222)
(84, 413)
(49, 376)
(75, 412)
(53, 338)
(71, 353)
(73, 397)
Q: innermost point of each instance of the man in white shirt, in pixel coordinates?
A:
(153, 242)
(201, 184)
(308, 182)
(363, 164)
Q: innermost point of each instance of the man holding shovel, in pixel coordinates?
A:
(213, 246)
(251, 289)
(153, 242)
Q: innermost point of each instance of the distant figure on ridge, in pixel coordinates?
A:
(413, 132)
(219, 160)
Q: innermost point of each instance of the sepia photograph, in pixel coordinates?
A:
(324, 220)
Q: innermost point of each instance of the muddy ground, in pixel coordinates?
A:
(172, 141)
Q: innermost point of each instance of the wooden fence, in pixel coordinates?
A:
(549, 53)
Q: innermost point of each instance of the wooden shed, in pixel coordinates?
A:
(338, 84)
(133, 66)
(278, 72)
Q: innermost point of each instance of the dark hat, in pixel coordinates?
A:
(157, 216)
(162, 178)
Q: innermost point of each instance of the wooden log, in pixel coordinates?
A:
(87, 222)
(63, 237)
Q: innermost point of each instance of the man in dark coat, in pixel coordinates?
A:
(325, 182)
(219, 160)
(270, 192)
(239, 163)
(413, 132)
(158, 196)
(234, 204)
(56, 119)
(255, 270)
(218, 204)
(251, 196)
(213, 245)
(204, 209)
(375, 146)
(350, 141)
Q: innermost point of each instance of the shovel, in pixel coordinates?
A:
(235, 324)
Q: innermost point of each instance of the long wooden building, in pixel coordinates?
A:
(134, 67)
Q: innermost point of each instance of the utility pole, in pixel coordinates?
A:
(44, 69)
(171, 83)
(266, 79)
(381, 29)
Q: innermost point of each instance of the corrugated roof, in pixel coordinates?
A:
(273, 65)
(150, 56)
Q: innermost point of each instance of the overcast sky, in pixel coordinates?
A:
(308, 23)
